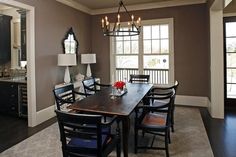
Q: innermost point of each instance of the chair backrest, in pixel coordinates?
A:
(139, 78)
(176, 86)
(168, 106)
(89, 86)
(64, 95)
(81, 134)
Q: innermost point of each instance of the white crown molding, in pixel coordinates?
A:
(154, 5)
(76, 5)
(229, 14)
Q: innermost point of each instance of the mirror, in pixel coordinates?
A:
(70, 43)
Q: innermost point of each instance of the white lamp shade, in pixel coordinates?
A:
(66, 59)
(88, 58)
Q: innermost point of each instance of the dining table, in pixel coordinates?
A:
(104, 103)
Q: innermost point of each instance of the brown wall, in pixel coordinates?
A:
(191, 46)
(52, 20)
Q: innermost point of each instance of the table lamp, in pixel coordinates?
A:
(88, 59)
(66, 60)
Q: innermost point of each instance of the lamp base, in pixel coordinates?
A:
(67, 75)
(88, 73)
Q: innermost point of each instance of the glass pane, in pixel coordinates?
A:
(231, 59)
(127, 47)
(147, 46)
(231, 44)
(126, 38)
(231, 90)
(134, 47)
(127, 61)
(156, 62)
(146, 32)
(155, 32)
(230, 29)
(134, 37)
(165, 46)
(119, 47)
(119, 38)
(231, 75)
(164, 31)
(155, 46)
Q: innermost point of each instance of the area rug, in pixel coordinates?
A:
(188, 140)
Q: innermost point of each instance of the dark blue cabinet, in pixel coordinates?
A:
(5, 39)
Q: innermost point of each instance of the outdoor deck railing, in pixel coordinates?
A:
(157, 76)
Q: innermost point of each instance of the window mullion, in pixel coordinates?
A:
(140, 39)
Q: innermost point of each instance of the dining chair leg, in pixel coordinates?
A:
(118, 145)
(135, 140)
(172, 120)
(166, 143)
(169, 140)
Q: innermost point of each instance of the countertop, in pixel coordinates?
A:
(13, 80)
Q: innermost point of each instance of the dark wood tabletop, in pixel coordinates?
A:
(102, 103)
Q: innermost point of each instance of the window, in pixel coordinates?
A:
(149, 53)
(230, 50)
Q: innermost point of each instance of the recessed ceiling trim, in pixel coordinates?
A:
(154, 5)
(149, 6)
(76, 5)
(4, 7)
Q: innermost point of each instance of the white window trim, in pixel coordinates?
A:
(170, 22)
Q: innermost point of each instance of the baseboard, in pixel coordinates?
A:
(45, 114)
(192, 101)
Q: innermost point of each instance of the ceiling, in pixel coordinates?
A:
(95, 7)
(103, 4)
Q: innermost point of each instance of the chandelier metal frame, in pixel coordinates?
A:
(132, 29)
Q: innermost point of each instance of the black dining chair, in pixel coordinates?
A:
(82, 136)
(136, 78)
(91, 86)
(66, 95)
(149, 121)
(139, 78)
(162, 92)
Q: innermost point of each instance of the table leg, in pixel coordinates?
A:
(125, 131)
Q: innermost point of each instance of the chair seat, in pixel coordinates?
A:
(154, 121)
(87, 143)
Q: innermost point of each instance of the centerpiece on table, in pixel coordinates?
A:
(120, 88)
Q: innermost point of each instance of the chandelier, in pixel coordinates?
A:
(132, 28)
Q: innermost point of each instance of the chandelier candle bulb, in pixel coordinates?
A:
(132, 17)
(139, 19)
(129, 26)
(118, 17)
(102, 23)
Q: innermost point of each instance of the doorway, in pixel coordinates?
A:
(30, 48)
(230, 62)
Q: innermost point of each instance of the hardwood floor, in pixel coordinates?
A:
(14, 130)
(221, 133)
